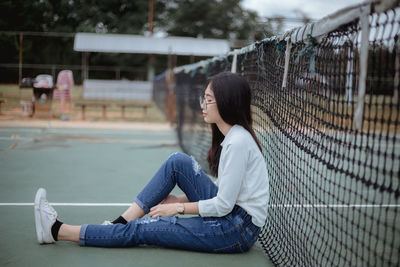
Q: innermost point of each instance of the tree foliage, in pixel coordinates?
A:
(195, 18)
(209, 19)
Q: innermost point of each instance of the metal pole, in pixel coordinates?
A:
(150, 67)
(53, 72)
(20, 58)
(152, 57)
(151, 13)
(83, 67)
(118, 74)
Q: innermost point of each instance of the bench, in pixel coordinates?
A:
(120, 93)
(83, 106)
(145, 106)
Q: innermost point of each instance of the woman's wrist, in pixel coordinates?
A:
(180, 208)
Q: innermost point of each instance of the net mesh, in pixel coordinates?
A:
(334, 189)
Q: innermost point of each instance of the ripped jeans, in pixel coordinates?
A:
(229, 234)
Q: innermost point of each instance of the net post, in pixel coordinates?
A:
(234, 61)
(287, 59)
(359, 113)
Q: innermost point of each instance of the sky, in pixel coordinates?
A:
(315, 9)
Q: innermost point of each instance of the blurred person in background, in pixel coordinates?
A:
(65, 82)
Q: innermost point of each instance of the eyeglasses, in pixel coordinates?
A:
(204, 102)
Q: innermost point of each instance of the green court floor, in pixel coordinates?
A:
(95, 166)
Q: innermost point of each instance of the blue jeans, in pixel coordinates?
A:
(229, 234)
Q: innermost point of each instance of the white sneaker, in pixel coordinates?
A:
(107, 223)
(45, 217)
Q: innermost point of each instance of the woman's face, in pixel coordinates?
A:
(209, 107)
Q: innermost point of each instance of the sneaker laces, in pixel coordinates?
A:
(48, 209)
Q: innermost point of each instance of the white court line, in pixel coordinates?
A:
(270, 206)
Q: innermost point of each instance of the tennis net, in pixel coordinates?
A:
(326, 111)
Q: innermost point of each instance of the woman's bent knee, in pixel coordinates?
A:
(178, 156)
(178, 159)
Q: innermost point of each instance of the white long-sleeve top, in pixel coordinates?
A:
(242, 179)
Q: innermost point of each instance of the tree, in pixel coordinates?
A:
(195, 18)
(224, 19)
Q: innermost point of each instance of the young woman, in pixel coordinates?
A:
(232, 210)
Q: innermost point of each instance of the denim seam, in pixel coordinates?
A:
(166, 182)
(185, 232)
(108, 238)
(230, 230)
(161, 229)
(162, 188)
(241, 233)
(243, 236)
(194, 188)
(236, 244)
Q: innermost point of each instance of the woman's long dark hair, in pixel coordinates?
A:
(233, 96)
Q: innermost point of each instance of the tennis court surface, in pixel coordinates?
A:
(90, 175)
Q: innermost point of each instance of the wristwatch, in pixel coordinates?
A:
(181, 208)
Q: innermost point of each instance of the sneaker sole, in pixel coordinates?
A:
(38, 223)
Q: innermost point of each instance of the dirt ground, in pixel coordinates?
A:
(12, 109)
(13, 118)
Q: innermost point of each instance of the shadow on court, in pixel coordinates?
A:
(79, 168)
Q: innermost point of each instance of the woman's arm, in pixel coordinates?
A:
(233, 163)
(175, 199)
(171, 209)
(191, 207)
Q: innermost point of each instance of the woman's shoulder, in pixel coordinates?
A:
(240, 136)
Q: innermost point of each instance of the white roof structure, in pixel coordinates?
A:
(126, 43)
(118, 90)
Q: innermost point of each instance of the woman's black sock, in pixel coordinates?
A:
(120, 219)
(55, 228)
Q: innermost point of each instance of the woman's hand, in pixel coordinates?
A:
(170, 199)
(164, 210)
